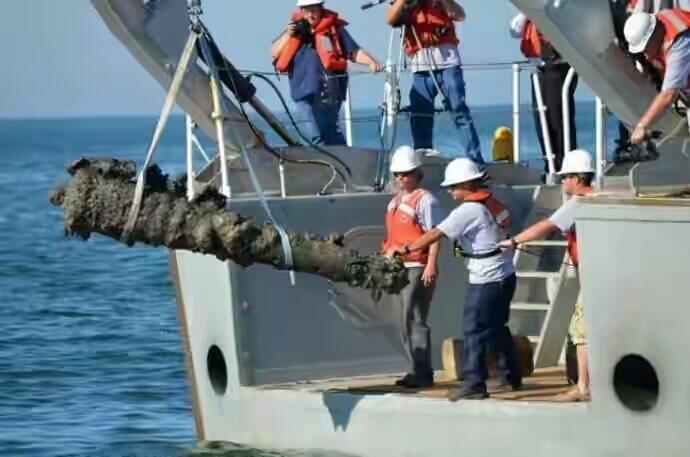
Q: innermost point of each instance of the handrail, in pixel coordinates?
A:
(565, 104)
(464, 66)
(600, 138)
(516, 112)
(546, 136)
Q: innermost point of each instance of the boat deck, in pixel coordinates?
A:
(544, 385)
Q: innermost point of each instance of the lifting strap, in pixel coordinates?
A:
(284, 238)
(160, 127)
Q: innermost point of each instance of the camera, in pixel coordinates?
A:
(302, 28)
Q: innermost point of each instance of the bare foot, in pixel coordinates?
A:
(574, 395)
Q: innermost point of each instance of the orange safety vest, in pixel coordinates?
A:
(500, 214)
(571, 236)
(432, 25)
(326, 42)
(497, 209)
(403, 227)
(675, 21)
(531, 41)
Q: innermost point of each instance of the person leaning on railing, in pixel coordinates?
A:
(432, 45)
(576, 174)
(664, 41)
(314, 50)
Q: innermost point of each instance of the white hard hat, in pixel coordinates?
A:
(577, 161)
(461, 170)
(302, 3)
(405, 158)
(638, 30)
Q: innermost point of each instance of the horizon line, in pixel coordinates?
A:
(69, 117)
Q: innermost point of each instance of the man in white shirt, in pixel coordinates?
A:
(576, 180)
(432, 45)
(477, 226)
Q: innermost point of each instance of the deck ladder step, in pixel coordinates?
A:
(537, 274)
(547, 243)
(561, 287)
(530, 306)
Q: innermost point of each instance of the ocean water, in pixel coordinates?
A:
(91, 362)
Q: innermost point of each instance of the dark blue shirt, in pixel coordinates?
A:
(308, 77)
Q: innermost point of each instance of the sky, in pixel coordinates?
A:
(63, 62)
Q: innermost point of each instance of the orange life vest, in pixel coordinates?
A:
(432, 25)
(571, 236)
(326, 42)
(403, 227)
(500, 214)
(675, 21)
(497, 209)
(531, 41)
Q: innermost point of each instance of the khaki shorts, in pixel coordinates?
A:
(577, 324)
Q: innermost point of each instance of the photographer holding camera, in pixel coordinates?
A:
(314, 50)
(432, 46)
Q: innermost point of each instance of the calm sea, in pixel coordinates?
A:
(90, 355)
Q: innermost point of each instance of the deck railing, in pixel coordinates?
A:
(517, 69)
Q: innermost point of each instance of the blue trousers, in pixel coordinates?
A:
(422, 96)
(487, 309)
(318, 119)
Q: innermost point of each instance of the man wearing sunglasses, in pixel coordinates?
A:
(576, 180)
(477, 226)
(412, 212)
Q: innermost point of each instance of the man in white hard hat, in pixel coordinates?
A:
(314, 51)
(664, 40)
(477, 226)
(411, 213)
(576, 180)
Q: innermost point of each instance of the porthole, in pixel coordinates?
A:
(636, 383)
(217, 370)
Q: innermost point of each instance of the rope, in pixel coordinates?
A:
(284, 238)
(527, 251)
(174, 89)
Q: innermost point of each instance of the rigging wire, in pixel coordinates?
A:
(282, 157)
(294, 122)
(465, 66)
(532, 253)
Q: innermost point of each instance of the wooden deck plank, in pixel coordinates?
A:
(544, 385)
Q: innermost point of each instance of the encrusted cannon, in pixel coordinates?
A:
(99, 196)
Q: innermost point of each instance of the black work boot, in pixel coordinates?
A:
(412, 381)
(465, 392)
